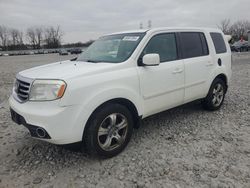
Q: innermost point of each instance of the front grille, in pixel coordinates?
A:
(22, 89)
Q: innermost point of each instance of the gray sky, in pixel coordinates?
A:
(82, 20)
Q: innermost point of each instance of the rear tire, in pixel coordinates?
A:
(215, 96)
(108, 131)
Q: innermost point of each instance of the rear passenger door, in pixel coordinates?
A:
(197, 62)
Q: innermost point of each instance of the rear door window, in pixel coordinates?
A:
(204, 44)
(193, 44)
(219, 43)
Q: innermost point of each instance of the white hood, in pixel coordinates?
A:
(65, 69)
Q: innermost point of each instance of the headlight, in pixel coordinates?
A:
(47, 90)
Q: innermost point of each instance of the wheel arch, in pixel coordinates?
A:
(122, 101)
(224, 78)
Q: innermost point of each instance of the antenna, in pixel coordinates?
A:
(149, 24)
(141, 25)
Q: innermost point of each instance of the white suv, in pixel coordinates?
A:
(99, 97)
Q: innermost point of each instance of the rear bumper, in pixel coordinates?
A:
(62, 125)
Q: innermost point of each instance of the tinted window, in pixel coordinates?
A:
(219, 44)
(164, 45)
(193, 44)
(204, 44)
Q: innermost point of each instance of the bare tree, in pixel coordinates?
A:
(16, 37)
(35, 36)
(13, 36)
(53, 37)
(39, 36)
(31, 36)
(4, 35)
(225, 26)
(20, 38)
(239, 29)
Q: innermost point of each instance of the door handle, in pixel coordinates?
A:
(178, 70)
(209, 64)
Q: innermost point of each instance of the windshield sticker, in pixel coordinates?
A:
(130, 38)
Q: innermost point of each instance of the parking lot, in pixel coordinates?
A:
(182, 147)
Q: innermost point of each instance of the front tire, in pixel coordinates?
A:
(215, 96)
(108, 131)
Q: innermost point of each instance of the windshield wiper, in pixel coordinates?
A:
(92, 61)
(74, 59)
(88, 60)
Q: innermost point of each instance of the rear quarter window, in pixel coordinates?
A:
(219, 43)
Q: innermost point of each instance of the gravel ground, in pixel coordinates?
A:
(182, 147)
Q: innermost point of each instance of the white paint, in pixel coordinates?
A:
(151, 89)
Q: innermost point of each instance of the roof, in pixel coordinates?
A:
(130, 31)
(169, 29)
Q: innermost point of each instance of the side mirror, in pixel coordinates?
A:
(151, 60)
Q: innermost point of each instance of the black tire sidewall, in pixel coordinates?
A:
(91, 141)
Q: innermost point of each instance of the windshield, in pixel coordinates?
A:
(113, 48)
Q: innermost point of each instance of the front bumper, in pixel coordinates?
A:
(35, 131)
(63, 125)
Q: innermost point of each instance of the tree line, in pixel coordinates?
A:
(238, 30)
(51, 36)
(37, 37)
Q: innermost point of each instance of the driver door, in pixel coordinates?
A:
(162, 86)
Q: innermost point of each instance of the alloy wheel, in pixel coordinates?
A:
(112, 131)
(218, 95)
